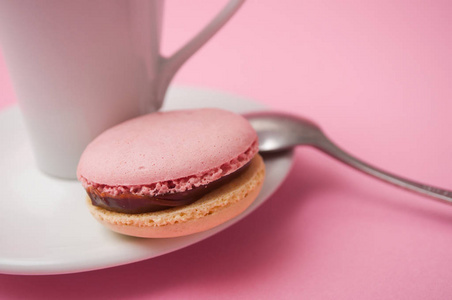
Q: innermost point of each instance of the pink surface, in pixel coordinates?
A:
(376, 76)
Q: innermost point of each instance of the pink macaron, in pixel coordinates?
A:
(173, 173)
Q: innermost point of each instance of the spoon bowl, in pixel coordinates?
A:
(280, 131)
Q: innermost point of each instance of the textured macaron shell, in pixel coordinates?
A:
(165, 146)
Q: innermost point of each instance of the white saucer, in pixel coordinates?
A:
(45, 227)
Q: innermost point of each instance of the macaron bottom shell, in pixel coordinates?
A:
(211, 210)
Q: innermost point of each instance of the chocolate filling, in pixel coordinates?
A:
(135, 204)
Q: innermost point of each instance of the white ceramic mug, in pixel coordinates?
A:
(79, 67)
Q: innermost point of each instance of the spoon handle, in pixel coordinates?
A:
(330, 148)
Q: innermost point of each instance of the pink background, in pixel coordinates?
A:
(377, 77)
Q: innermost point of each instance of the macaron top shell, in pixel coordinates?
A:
(165, 146)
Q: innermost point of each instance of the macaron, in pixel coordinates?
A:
(170, 174)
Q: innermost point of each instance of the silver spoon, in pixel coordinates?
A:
(279, 132)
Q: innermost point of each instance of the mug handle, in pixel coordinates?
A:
(168, 66)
